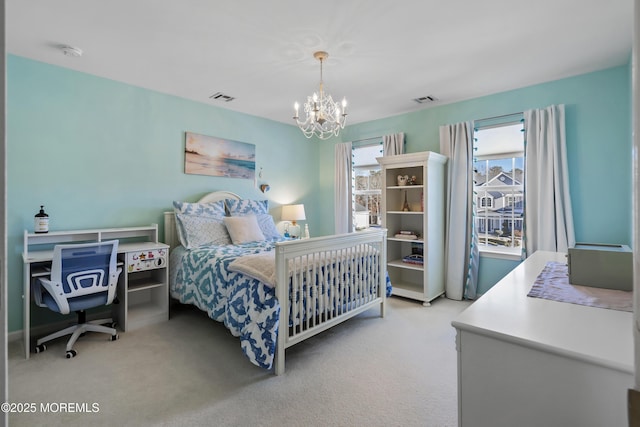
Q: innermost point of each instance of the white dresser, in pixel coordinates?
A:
(533, 362)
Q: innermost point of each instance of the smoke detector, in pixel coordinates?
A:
(71, 51)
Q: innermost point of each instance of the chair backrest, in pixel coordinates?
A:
(86, 268)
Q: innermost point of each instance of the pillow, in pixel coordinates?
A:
(268, 227)
(200, 230)
(243, 229)
(247, 207)
(200, 224)
(211, 209)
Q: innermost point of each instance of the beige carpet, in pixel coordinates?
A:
(369, 371)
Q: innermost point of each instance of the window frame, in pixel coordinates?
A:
(368, 192)
(511, 194)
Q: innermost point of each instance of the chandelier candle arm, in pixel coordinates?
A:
(324, 117)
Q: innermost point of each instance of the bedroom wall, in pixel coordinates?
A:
(98, 153)
(598, 128)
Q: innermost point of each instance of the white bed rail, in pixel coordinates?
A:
(327, 281)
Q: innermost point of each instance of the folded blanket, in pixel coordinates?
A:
(260, 266)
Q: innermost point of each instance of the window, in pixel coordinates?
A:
(367, 186)
(499, 187)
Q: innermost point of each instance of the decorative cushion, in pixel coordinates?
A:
(247, 207)
(243, 229)
(201, 224)
(268, 227)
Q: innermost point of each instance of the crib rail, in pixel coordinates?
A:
(327, 281)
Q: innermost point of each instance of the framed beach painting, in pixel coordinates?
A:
(207, 155)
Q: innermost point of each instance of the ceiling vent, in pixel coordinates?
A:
(425, 99)
(219, 96)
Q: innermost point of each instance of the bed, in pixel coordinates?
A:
(328, 279)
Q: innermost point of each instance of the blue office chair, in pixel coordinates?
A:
(83, 276)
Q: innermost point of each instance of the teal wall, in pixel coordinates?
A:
(598, 128)
(98, 153)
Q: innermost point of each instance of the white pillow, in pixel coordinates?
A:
(243, 229)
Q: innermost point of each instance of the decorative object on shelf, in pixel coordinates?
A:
(207, 155)
(402, 180)
(306, 231)
(405, 205)
(413, 259)
(41, 221)
(413, 180)
(293, 213)
(324, 118)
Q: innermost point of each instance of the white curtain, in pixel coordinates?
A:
(548, 215)
(343, 188)
(393, 144)
(462, 256)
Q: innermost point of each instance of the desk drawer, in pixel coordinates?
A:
(146, 260)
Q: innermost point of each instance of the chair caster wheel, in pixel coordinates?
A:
(40, 348)
(115, 337)
(71, 354)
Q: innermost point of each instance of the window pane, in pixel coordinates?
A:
(367, 186)
(499, 190)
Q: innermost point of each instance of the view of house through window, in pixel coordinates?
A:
(499, 187)
(367, 186)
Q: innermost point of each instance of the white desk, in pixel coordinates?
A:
(534, 362)
(143, 292)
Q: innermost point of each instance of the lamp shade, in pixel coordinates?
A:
(293, 213)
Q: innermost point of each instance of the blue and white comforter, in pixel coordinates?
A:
(246, 306)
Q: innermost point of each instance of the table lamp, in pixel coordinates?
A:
(293, 213)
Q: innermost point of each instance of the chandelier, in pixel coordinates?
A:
(324, 117)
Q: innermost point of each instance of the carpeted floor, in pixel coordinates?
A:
(369, 371)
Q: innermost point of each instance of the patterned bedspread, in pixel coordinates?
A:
(246, 306)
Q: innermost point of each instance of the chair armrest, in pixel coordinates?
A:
(50, 286)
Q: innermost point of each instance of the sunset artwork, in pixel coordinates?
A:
(207, 155)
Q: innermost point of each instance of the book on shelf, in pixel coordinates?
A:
(406, 234)
(413, 259)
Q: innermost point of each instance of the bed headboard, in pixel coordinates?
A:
(170, 230)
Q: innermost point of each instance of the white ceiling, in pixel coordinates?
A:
(382, 54)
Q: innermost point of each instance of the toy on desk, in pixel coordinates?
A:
(146, 260)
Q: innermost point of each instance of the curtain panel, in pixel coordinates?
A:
(548, 214)
(343, 188)
(462, 256)
(393, 144)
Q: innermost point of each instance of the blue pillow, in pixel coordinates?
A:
(268, 227)
(201, 224)
(247, 207)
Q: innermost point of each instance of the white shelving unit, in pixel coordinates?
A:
(425, 217)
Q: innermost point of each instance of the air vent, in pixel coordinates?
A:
(425, 99)
(219, 96)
